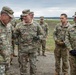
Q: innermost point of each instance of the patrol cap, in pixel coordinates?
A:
(8, 11)
(74, 15)
(25, 12)
(31, 12)
(41, 17)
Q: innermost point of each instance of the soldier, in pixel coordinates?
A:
(21, 18)
(32, 15)
(43, 41)
(28, 33)
(70, 41)
(61, 51)
(6, 16)
(17, 39)
(12, 25)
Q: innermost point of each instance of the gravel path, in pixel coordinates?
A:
(45, 65)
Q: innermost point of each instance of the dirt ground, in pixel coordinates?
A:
(45, 65)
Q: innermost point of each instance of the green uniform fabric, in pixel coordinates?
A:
(70, 41)
(5, 46)
(43, 40)
(61, 51)
(28, 45)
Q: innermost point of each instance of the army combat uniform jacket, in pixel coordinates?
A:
(26, 33)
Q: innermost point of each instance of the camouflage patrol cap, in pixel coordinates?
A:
(8, 11)
(74, 15)
(41, 17)
(25, 12)
(32, 12)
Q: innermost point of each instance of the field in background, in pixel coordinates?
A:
(50, 41)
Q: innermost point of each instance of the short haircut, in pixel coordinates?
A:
(63, 14)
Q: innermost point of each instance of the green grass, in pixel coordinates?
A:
(50, 41)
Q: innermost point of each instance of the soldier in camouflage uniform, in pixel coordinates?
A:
(31, 15)
(21, 18)
(61, 51)
(13, 23)
(43, 41)
(28, 33)
(13, 46)
(6, 16)
(70, 41)
(11, 40)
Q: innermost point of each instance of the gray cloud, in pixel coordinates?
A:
(50, 7)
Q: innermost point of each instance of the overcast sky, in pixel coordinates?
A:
(48, 8)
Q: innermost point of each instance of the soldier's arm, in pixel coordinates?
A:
(67, 40)
(40, 32)
(47, 28)
(16, 32)
(55, 33)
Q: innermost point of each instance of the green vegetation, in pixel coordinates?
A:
(50, 41)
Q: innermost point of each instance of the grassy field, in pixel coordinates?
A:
(50, 41)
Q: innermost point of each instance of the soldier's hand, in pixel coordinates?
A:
(59, 42)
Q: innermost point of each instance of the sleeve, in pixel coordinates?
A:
(55, 33)
(47, 28)
(16, 31)
(67, 40)
(40, 32)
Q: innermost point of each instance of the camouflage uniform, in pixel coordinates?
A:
(28, 45)
(5, 42)
(13, 23)
(14, 46)
(61, 51)
(10, 37)
(70, 41)
(21, 19)
(43, 41)
(5, 32)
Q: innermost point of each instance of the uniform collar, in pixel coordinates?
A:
(3, 23)
(27, 23)
(65, 26)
